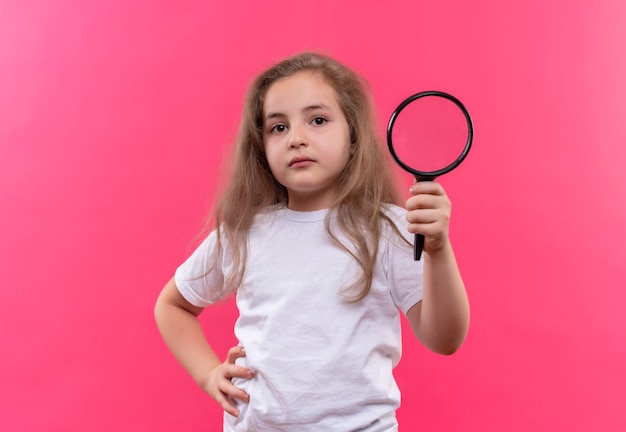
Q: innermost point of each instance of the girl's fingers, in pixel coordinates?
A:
(227, 391)
(223, 386)
(234, 353)
(233, 371)
(224, 402)
(427, 187)
(427, 230)
(428, 195)
(425, 201)
(428, 210)
(427, 216)
(233, 391)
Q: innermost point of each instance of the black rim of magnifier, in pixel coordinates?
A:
(430, 175)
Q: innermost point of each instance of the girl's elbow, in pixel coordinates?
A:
(449, 345)
(448, 350)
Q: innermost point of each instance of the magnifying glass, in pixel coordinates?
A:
(429, 134)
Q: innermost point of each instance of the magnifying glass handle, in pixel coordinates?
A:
(418, 246)
(418, 243)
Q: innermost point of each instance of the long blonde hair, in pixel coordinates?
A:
(365, 185)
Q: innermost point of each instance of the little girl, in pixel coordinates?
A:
(311, 238)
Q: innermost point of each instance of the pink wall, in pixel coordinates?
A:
(113, 116)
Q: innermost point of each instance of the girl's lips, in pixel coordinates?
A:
(300, 161)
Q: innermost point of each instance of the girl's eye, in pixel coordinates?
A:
(278, 128)
(318, 121)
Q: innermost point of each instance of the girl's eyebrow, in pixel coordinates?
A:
(305, 109)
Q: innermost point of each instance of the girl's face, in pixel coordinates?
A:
(306, 139)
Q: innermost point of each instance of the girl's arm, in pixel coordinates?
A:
(441, 319)
(177, 321)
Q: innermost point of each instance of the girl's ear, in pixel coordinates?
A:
(353, 135)
(352, 148)
(353, 139)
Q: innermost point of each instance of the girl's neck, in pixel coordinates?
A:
(309, 203)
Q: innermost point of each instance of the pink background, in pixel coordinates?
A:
(114, 117)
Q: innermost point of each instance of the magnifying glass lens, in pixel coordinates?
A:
(429, 133)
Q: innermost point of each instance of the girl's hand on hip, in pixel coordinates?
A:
(219, 385)
(428, 213)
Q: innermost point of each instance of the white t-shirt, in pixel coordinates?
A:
(321, 363)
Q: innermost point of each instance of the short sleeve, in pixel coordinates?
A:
(405, 276)
(200, 279)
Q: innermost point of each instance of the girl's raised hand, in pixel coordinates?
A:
(428, 213)
(219, 385)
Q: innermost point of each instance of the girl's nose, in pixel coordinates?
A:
(297, 138)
